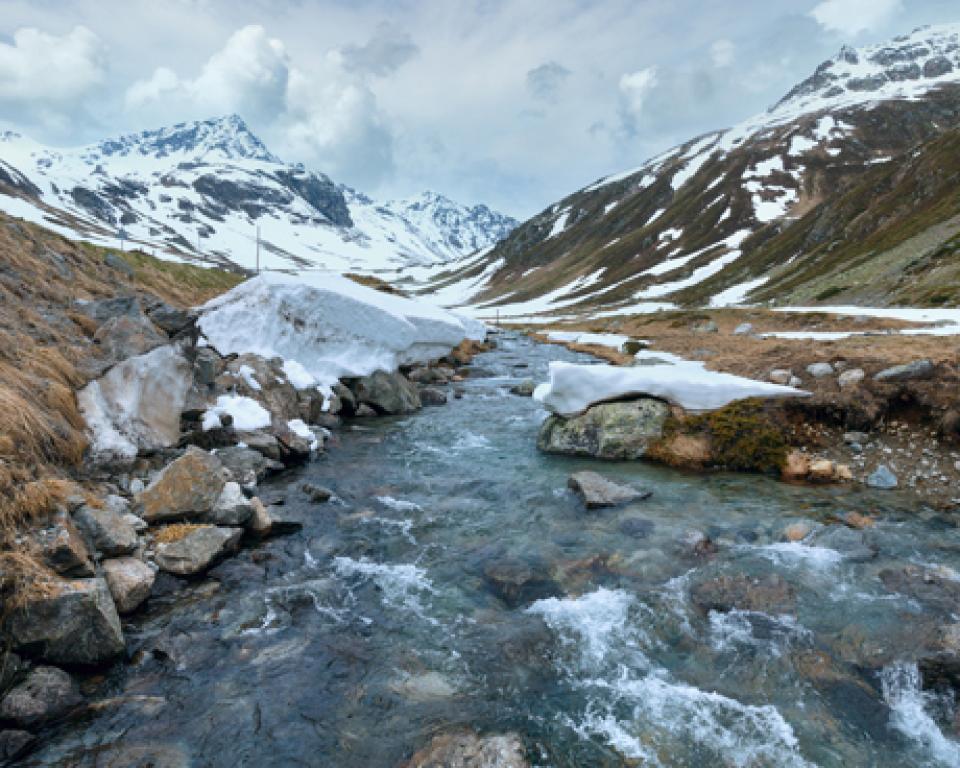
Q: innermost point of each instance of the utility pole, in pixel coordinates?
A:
(199, 250)
(258, 249)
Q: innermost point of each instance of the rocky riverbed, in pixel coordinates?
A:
(440, 592)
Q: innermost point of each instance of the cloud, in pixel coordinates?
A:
(545, 81)
(325, 115)
(384, 53)
(851, 17)
(635, 87)
(44, 76)
(722, 53)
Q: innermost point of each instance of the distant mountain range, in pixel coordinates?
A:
(846, 191)
(200, 190)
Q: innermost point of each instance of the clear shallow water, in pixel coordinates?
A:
(354, 641)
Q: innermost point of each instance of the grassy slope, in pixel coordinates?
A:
(43, 343)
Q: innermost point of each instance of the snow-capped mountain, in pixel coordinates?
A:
(781, 207)
(202, 190)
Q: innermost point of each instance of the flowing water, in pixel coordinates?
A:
(354, 641)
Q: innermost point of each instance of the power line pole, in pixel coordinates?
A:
(258, 249)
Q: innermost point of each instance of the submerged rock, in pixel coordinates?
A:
(46, 694)
(130, 581)
(189, 485)
(318, 494)
(432, 396)
(524, 388)
(596, 491)
(467, 750)
(769, 594)
(70, 622)
(198, 549)
(622, 430)
(518, 582)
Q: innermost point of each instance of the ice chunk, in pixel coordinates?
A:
(573, 388)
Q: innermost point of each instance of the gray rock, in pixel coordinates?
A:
(199, 549)
(918, 369)
(696, 543)
(743, 329)
(348, 401)
(622, 430)
(427, 375)
(318, 494)
(189, 485)
(517, 582)
(851, 378)
(46, 694)
(388, 393)
(14, 743)
(104, 309)
(75, 622)
(820, 370)
(467, 750)
(794, 381)
(780, 376)
(432, 396)
(106, 530)
(704, 326)
(364, 411)
(263, 443)
(524, 388)
(231, 508)
(118, 263)
(137, 523)
(170, 319)
(63, 548)
(130, 581)
(854, 545)
(882, 478)
(126, 336)
(596, 491)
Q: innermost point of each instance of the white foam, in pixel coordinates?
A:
(401, 584)
(908, 704)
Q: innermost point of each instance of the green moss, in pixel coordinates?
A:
(743, 436)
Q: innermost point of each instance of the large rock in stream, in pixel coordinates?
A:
(622, 430)
(198, 548)
(70, 622)
(597, 492)
(387, 393)
(468, 750)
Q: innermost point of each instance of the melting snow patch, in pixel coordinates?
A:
(573, 388)
(737, 294)
(247, 413)
(560, 224)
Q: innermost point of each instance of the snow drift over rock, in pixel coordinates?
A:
(330, 326)
(137, 403)
(574, 388)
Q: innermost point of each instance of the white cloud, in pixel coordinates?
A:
(722, 53)
(635, 87)
(851, 17)
(49, 71)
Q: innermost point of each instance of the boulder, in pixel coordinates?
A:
(189, 485)
(63, 548)
(231, 508)
(105, 309)
(127, 336)
(318, 494)
(169, 319)
(596, 491)
(265, 381)
(743, 329)
(820, 370)
(106, 529)
(46, 694)
(916, 370)
(882, 478)
(621, 430)
(263, 443)
(388, 393)
(198, 548)
(926, 585)
(260, 521)
(71, 622)
(769, 594)
(796, 467)
(780, 376)
(432, 396)
(467, 750)
(518, 582)
(704, 326)
(426, 375)
(245, 465)
(851, 378)
(130, 581)
(524, 388)
(14, 743)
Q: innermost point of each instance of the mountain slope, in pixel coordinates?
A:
(852, 162)
(201, 190)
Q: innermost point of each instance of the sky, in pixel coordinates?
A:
(513, 103)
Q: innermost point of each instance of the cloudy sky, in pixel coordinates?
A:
(511, 102)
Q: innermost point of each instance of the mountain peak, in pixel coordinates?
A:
(901, 68)
(227, 137)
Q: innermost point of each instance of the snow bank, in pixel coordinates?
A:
(248, 415)
(573, 388)
(330, 326)
(613, 340)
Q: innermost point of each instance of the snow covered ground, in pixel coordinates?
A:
(327, 326)
(573, 388)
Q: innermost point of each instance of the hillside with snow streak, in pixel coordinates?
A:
(843, 191)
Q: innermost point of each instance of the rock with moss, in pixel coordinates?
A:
(192, 549)
(190, 485)
(622, 430)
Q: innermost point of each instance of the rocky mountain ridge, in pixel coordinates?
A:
(200, 191)
(778, 208)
